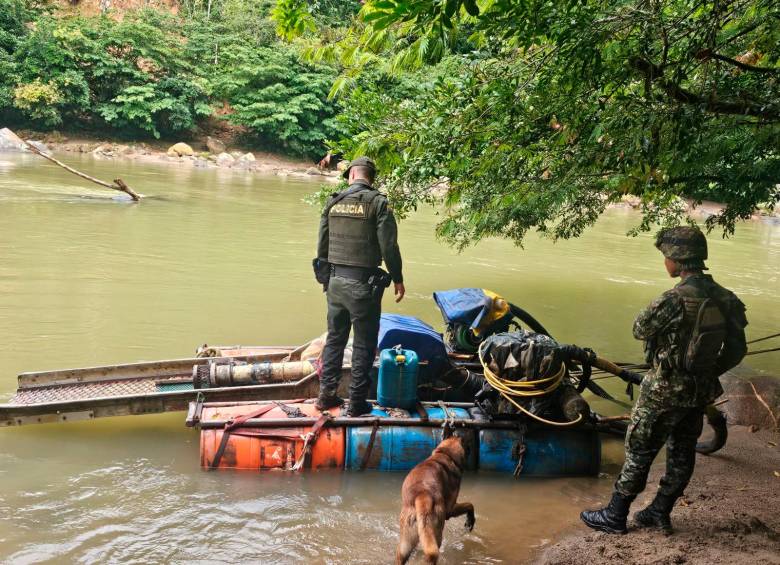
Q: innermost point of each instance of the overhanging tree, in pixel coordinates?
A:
(538, 114)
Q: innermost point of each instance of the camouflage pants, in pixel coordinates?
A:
(679, 429)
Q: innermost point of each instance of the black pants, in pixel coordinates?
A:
(350, 304)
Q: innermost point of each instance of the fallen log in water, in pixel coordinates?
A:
(119, 184)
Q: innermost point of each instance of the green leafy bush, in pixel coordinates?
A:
(130, 75)
(282, 100)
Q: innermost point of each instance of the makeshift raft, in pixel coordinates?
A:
(257, 436)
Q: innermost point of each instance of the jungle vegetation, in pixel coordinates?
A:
(534, 114)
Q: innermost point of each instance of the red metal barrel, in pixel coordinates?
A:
(270, 448)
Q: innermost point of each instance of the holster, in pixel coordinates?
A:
(322, 270)
(379, 281)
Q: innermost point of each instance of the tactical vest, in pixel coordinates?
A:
(702, 331)
(352, 238)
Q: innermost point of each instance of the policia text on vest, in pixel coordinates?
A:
(357, 233)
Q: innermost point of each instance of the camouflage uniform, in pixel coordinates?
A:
(681, 382)
(671, 401)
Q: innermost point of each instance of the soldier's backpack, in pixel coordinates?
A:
(701, 344)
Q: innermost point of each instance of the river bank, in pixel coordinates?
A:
(211, 153)
(205, 153)
(727, 515)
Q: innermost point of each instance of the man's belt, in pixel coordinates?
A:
(361, 274)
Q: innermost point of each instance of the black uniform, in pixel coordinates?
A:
(356, 234)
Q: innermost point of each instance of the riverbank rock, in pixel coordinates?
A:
(41, 146)
(754, 400)
(225, 159)
(247, 158)
(102, 150)
(215, 145)
(180, 150)
(9, 141)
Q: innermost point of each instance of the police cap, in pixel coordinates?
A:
(360, 162)
(684, 243)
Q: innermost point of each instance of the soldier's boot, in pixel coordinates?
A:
(358, 407)
(328, 399)
(657, 514)
(612, 518)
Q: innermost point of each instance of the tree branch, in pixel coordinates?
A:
(720, 106)
(705, 54)
(119, 183)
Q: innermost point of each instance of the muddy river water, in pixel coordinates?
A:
(224, 257)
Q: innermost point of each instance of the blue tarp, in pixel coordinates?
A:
(412, 333)
(463, 305)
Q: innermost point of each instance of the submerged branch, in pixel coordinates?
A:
(119, 184)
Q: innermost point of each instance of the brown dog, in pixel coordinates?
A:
(429, 497)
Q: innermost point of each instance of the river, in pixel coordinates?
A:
(220, 256)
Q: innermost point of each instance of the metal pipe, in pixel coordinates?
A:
(359, 421)
(405, 422)
(229, 373)
(261, 402)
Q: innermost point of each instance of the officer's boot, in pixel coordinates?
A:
(328, 399)
(358, 407)
(656, 515)
(612, 518)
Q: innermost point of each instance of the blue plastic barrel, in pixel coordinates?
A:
(397, 383)
(548, 452)
(399, 448)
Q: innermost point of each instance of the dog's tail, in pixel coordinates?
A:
(429, 526)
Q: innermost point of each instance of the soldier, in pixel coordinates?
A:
(357, 232)
(693, 333)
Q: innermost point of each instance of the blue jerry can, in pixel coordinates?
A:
(399, 448)
(548, 452)
(397, 383)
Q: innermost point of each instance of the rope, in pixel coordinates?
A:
(762, 351)
(763, 338)
(525, 389)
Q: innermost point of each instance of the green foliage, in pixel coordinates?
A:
(39, 100)
(154, 73)
(170, 104)
(129, 74)
(282, 100)
(293, 18)
(545, 112)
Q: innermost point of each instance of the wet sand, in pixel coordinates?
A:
(730, 513)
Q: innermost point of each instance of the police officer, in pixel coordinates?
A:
(357, 232)
(693, 333)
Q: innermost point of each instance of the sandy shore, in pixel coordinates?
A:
(730, 514)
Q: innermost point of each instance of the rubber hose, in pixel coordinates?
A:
(587, 370)
(529, 320)
(717, 420)
(472, 383)
(534, 324)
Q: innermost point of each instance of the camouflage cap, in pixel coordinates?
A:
(684, 243)
(359, 162)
